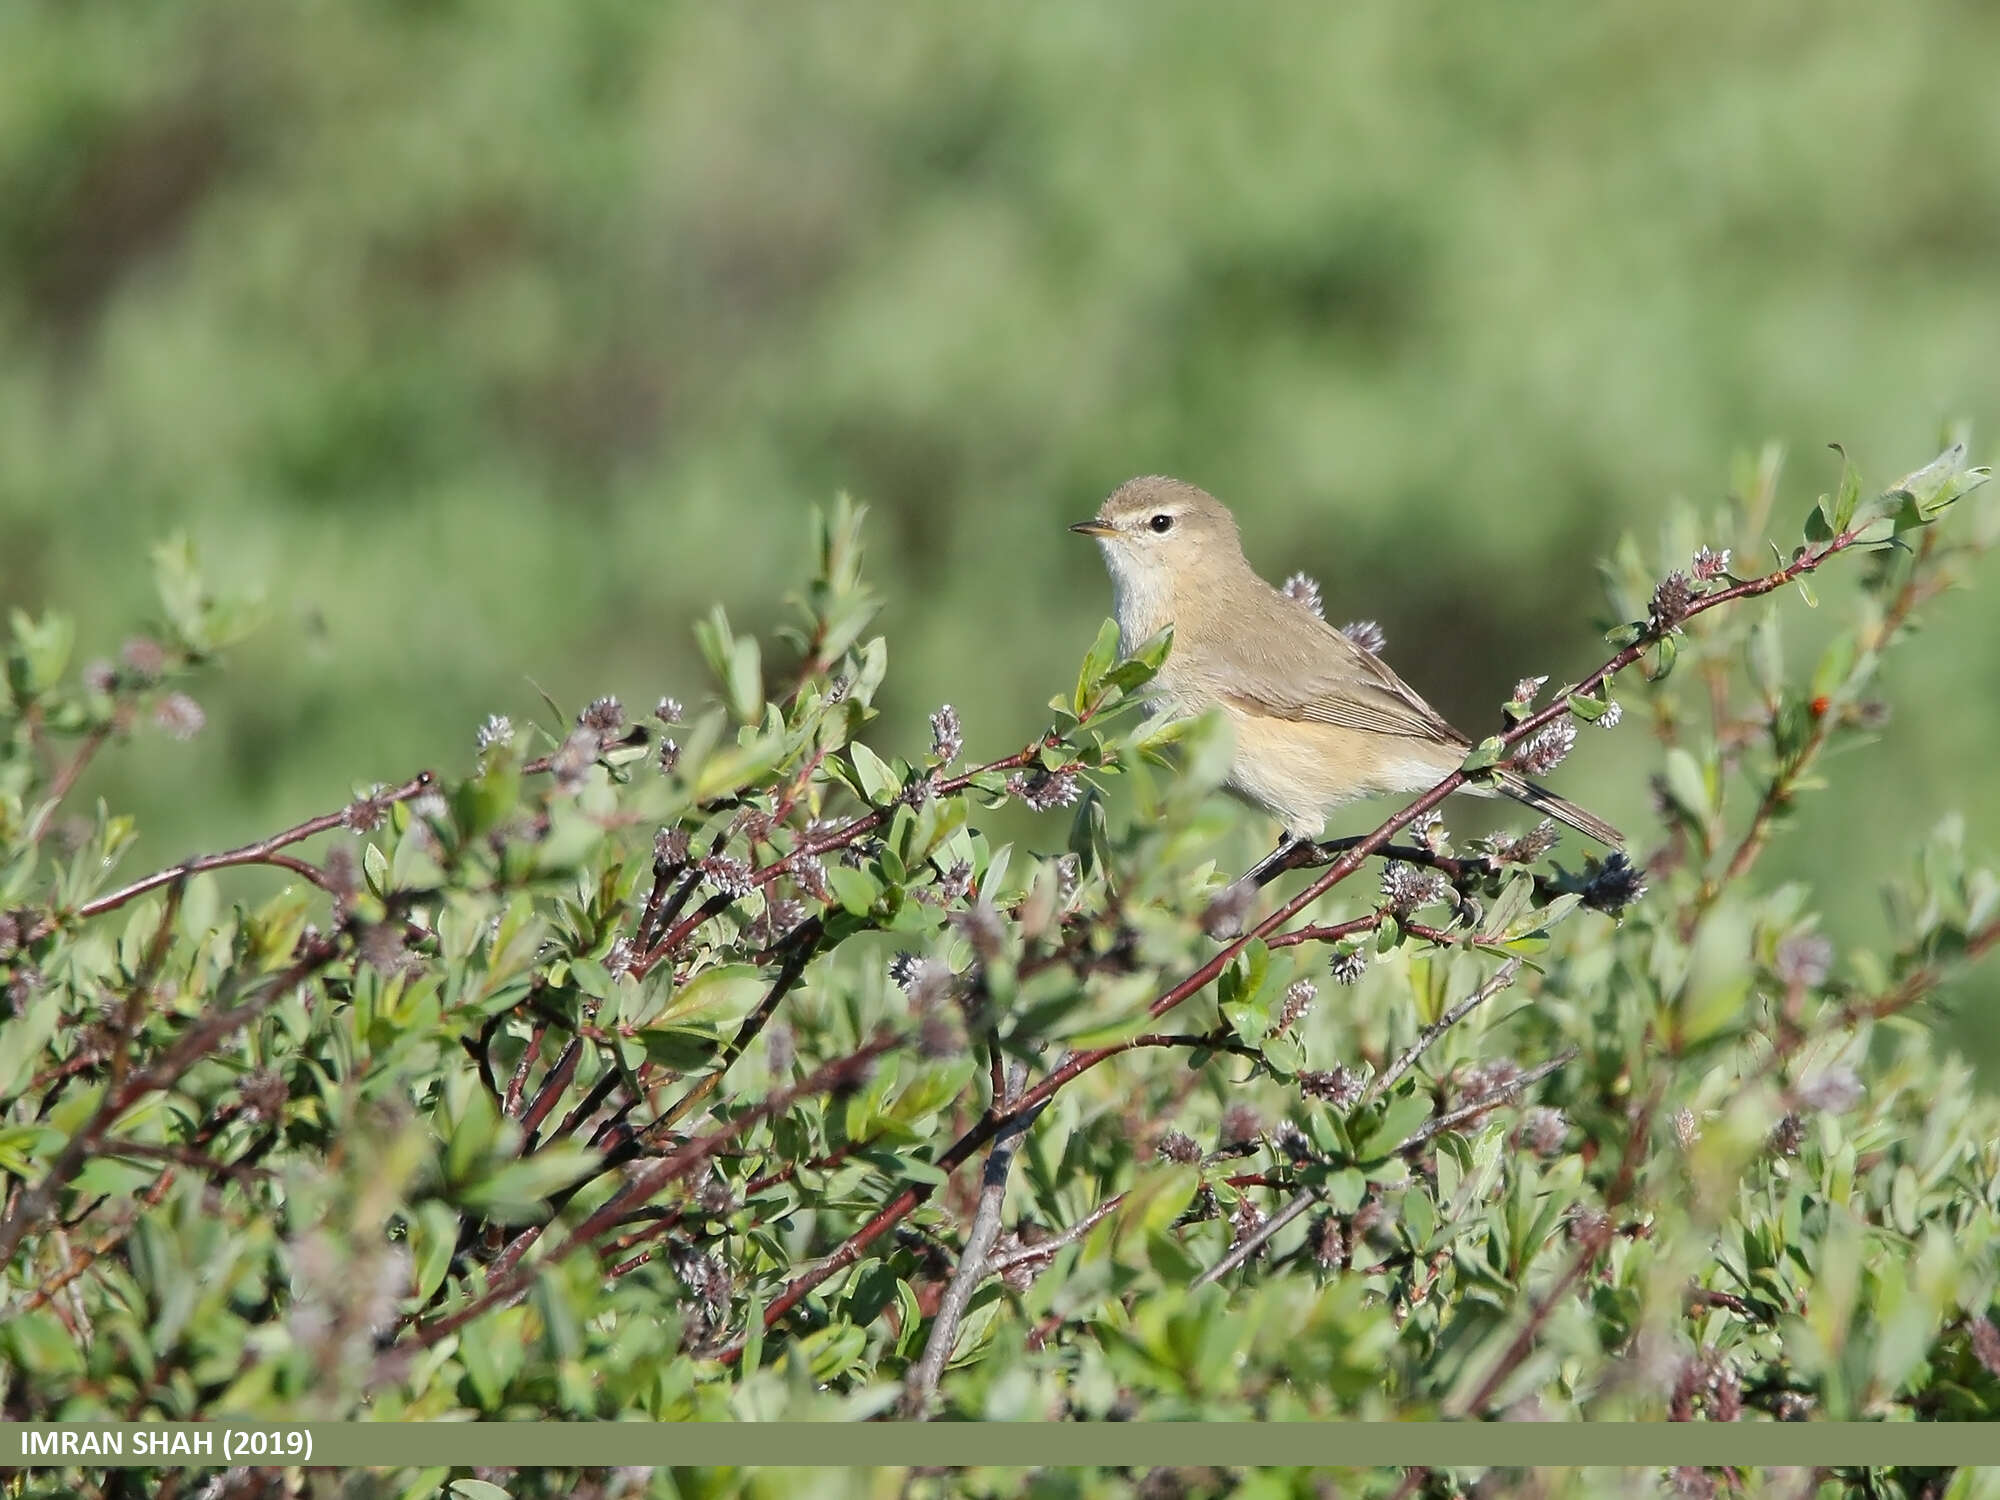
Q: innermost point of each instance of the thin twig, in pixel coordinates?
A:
(921, 1387)
(263, 852)
(65, 779)
(1243, 1249)
(1393, 1074)
(1055, 1244)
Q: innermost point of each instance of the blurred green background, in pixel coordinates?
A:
(497, 341)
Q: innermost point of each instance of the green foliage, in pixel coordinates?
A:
(634, 1076)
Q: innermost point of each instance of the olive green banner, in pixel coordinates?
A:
(1006, 1445)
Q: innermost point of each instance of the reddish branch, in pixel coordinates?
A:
(263, 852)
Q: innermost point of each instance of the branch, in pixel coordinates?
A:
(263, 852)
(1500, 979)
(921, 1385)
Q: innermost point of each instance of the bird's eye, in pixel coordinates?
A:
(1162, 523)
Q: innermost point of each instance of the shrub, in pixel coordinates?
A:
(644, 1069)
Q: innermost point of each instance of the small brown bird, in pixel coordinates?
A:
(1319, 720)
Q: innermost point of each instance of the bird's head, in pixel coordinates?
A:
(1162, 529)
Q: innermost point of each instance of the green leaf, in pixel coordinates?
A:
(1096, 662)
(1848, 497)
(1404, 1114)
(1485, 754)
(716, 997)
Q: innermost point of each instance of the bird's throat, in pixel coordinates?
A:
(1142, 597)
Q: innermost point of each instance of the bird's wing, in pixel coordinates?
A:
(1327, 679)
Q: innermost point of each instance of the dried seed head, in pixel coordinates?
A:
(1247, 1219)
(619, 960)
(179, 716)
(669, 757)
(1348, 965)
(1339, 1086)
(1710, 564)
(1292, 1141)
(1546, 747)
(1613, 712)
(1429, 831)
(366, 812)
(1329, 1242)
(1366, 634)
(668, 710)
(1528, 689)
(670, 849)
(809, 875)
(1177, 1146)
(1526, 848)
(1306, 591)
(1299, 996)
(1405, 888)
(606, 715)
(1613, 885)
(1788, 1135)
(1069, 879)
(955, 884)
(1671, 601)
(1047, 789)
(947, 735)
(497, 730)
(728, 874)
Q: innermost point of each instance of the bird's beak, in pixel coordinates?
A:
(1094, 528)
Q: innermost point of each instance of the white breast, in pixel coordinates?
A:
(1142, 598)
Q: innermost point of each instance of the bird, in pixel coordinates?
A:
(1319, 720)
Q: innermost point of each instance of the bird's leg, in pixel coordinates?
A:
(1292, 853)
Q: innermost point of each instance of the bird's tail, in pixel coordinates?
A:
(1542, 800)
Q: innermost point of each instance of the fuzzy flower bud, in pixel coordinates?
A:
(606, 715)
(1348, 965)
(1526, 848)
(1241, 1124)
(1528, 689)
(143, 655)
(1299, 996)
(1671, 601)
(1406, 888)
(1306, 591)
(1542, 1130)
(1546, 747)
(1366, 634)
(670, 848)
(947, 735)
(809, 874)
(1613, 712)
(1613, 885)
(670, 757)
(100, 677)
(1710, 564)
(1222, 918)
(1338, 1086)
(1835, 1090)
(497, 730)
(729, 875)
(1046, 789)
(668, 710)
(179, 715)
(366, 812)
(1178, 1146)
